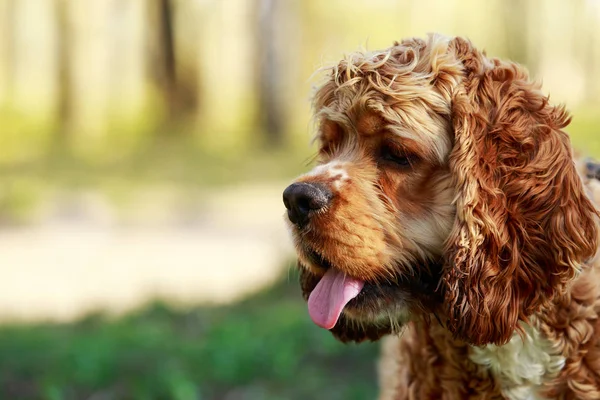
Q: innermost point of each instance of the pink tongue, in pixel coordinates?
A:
(328, 298)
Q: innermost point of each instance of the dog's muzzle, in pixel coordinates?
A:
(303, 199)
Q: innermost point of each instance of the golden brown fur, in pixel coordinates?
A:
(455, 198)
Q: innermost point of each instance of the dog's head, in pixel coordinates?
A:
(445, 188)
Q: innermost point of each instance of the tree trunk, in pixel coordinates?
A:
(64, 69)
(271, 107)
(162, 54)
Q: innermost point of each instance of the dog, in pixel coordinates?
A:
(447, 214)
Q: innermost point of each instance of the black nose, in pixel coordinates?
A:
(302, 198)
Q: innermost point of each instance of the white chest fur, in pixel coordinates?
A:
(522, 364)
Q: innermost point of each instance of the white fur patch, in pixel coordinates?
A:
(332, 170)
(521, 365)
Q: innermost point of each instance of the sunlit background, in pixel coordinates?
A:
(144, 146)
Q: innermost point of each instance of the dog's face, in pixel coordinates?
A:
(407, 208)
(377, 208)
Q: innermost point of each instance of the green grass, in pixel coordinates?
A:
(263, 348)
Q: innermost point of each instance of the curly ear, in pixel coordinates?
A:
(524, 225)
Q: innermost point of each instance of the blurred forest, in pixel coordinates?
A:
(144, 146)
(104, 79)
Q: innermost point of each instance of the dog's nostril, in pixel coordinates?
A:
(303, 204)
(302, 198)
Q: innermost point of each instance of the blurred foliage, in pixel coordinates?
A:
(263, 348)
(585, 131)
(179, 163)
(103, 78)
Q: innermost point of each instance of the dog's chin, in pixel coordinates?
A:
(381, 308)
(348, 330)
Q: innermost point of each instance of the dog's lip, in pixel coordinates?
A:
(323, 262)
(370, 289)
(318, 259)
(382, 291)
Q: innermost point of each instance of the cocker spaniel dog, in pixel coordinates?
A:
(447, 211)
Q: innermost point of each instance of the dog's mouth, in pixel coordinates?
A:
(336, 293)
(328, 299)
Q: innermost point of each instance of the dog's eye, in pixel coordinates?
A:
(396, 157)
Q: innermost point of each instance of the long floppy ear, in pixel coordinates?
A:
(524, 225)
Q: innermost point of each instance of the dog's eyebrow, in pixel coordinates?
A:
(404, 146)
(369, 123)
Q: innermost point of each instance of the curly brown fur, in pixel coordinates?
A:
(456, 202)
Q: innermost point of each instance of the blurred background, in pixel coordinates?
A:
(144, 146)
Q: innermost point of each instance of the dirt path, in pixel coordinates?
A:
(82, 256)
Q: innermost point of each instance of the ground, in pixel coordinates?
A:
(81, 256)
